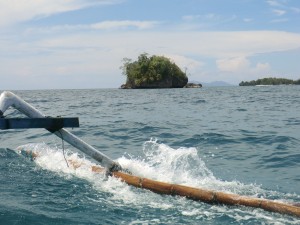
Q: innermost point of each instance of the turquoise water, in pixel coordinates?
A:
(242, 140)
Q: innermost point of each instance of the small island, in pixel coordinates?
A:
(153, 72)
(270, 81)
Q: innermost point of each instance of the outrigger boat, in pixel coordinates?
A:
(111, 168)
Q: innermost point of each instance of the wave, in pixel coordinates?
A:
(164, 163)
(159, 162)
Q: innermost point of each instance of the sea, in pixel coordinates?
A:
(241, 140)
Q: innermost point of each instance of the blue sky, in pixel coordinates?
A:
(54, 44)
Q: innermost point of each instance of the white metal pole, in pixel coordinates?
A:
(8, 99)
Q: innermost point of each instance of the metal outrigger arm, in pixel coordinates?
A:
(9, 99)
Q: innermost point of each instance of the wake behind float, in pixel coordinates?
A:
(56, 126)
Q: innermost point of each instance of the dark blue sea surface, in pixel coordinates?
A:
(242, 140)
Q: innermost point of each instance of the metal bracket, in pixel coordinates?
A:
(51, 124)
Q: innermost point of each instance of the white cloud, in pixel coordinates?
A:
(274, 3)
(184, 62)
(104, 25)
(208, 44)
(191, 17)
(236, 69)
(124, 24)
(94, 58)
(247, 20)
(15, 11)
(295, 9)
(262, 67)
(279, 12)
(205, 20)
(233, 64)
(282, 7)
(241, 64)
(282, 20)
(209, 16)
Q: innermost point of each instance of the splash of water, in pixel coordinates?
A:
(181, 166)
(160, 162)
(53, 159)
(164, 163)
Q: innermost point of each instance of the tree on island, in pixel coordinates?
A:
(152, 72)
(270, 81)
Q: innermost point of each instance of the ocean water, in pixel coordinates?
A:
(242, 140)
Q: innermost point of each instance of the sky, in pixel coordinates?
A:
(72, 44)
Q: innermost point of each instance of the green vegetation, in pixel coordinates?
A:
(152, 72)
(270, 81)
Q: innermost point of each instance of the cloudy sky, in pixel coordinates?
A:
(54, 44)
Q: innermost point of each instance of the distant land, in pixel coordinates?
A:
(270, 81)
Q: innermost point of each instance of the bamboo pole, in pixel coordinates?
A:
(197, 194)
(208, 196)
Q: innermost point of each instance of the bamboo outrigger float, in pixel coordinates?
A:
(208, 196)
(8, 99)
